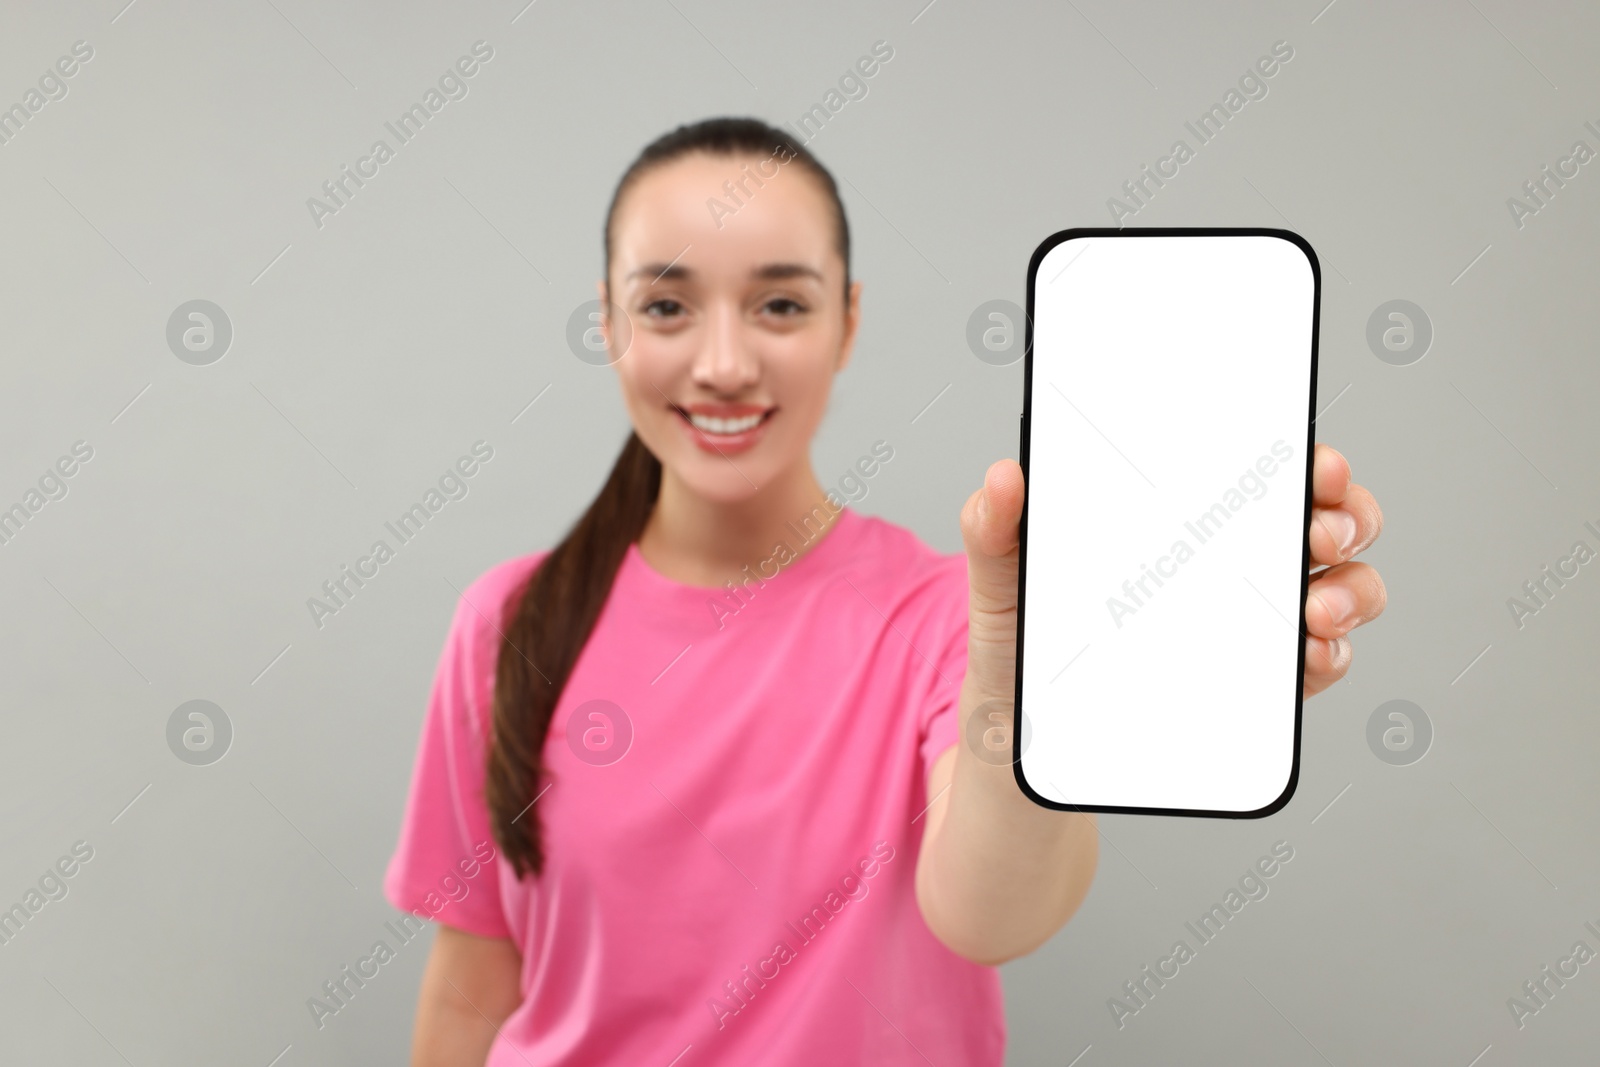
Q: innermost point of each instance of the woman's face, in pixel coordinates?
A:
(736, 318)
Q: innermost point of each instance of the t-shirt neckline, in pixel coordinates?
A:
(811, 557)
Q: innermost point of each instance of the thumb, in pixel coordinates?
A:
(990, 526)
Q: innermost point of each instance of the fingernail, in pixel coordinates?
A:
(1339, 602)
(1341, 526)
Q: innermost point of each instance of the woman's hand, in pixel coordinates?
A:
(999, 874)
(1345, 519)
(990, 525)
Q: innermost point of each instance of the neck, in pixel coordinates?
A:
(698, 541)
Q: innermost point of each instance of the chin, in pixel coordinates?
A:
(726, 485)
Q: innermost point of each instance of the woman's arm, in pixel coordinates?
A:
(469, 987)
(998, 875)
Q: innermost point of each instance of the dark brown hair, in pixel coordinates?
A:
(549, 618)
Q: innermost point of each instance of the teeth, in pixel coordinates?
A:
(714, 425)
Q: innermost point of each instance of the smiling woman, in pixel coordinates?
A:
(762, 758)
(766, 757)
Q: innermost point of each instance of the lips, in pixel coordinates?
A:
(724, 428)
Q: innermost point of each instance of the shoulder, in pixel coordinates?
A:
(922, 594)
(907, 570)
(481, 609)
(472, 646)
(484, 600)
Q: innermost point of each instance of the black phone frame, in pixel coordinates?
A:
(1045, 246)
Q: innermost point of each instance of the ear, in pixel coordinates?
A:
(852, 320)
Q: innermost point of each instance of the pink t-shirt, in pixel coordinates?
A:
(733, 817)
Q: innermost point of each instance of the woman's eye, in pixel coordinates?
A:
(784, 306)
(668, 308)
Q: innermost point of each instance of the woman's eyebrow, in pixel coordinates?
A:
(772, 271)
(765, 272)
(661, 270)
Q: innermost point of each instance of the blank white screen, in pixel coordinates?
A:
(1170, 375)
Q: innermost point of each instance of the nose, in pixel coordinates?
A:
(725, 363)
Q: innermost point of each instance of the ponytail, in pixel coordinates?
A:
(550, 618)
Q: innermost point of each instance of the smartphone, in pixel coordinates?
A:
(1169, 403)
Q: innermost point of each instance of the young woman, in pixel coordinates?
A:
(689, 789)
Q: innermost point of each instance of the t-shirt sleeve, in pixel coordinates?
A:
(446, 864)
(942, 726)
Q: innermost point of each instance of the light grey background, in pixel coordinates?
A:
(370, 353)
